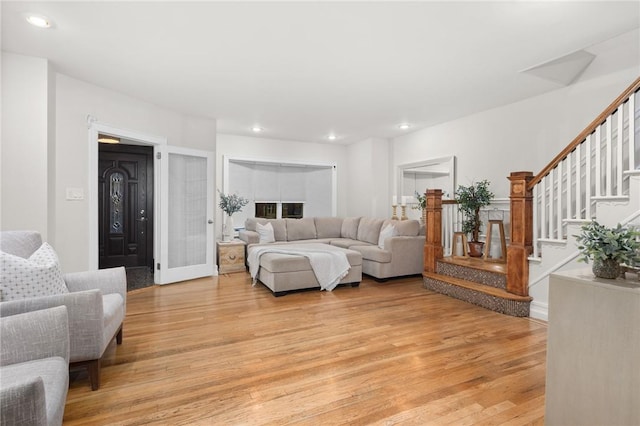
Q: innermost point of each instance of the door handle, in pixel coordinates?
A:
(210, 221)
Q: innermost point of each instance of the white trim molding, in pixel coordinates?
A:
(96, 127)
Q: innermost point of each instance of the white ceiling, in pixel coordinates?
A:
(302, 70)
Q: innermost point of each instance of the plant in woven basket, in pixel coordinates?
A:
(608, 248)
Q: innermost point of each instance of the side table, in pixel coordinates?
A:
(231, 256)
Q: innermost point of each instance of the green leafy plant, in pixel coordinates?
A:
(597, 242)
(231, 203)
(422, 202)
(470, 200)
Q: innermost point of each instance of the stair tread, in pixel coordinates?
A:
(493, 291)
(476, 263)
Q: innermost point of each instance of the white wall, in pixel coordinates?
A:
(282, 151)
(25, 141)
(38, 167)
(75, 100)
(522, 136)
(368, 178)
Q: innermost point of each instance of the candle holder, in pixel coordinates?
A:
(404, 213)
(395, 215)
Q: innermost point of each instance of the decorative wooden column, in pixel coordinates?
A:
(521, 245)
(433, 227)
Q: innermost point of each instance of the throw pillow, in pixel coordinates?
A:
(39, 275)
(265, 232)
(387, 232)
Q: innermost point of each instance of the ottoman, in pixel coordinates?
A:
(282, 273)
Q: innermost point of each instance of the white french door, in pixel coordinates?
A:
(186, 215)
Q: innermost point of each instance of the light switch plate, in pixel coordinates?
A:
(75, 194)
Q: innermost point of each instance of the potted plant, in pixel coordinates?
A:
(608, 248)
(422, 205)
(470, 200)
(230, 204)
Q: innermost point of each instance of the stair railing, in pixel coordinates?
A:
(452, 219)
(594, 166)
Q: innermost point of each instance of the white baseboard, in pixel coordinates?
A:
(539, 310)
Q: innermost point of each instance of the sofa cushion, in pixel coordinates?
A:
(387, 231)
(346, 242)
(369, 230)
(373, 253)
(39, 275)
(350, 228)
(279, 229)
(301, 229)
(407, 228)
(265, 233)
(328, 227)
(404, 228)
(20, 243)
(251, 223)
(279, 226)
(278, 262)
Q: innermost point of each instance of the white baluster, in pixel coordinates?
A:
(578, 214)
(559, 201)
(587, 178)
(632, 126)
(619, 140)
(536, 226)
(597, 175)
(543, 209)
(609, 158)
(569, 204)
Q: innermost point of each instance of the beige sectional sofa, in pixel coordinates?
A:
(398, 255)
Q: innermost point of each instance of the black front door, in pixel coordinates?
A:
(125, 186)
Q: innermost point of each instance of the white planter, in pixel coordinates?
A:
(228, 231)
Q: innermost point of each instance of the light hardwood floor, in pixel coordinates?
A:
(218, 351)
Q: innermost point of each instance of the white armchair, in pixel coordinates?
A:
(34, 367)
(96, 305)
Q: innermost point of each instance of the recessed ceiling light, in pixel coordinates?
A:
(404, 126)
(332, 137)
(256, 129)
(108, 139)
(39, 21)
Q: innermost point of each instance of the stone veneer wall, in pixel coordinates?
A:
(487, 301)
(471, 274)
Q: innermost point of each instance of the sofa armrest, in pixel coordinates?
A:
(407, 254)
(86, 319)
(112, 280)
(249, 237)
(24, 403)
(35, 335)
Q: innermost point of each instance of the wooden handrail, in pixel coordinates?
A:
(445, 202)
(635, 86)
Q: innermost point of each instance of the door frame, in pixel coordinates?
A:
(95, 127)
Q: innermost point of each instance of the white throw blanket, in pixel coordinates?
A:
(329, 266)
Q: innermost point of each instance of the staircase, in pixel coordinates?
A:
(562, 254)
(476, 281)
(597, 176)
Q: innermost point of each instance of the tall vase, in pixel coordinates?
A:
(229, 231)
